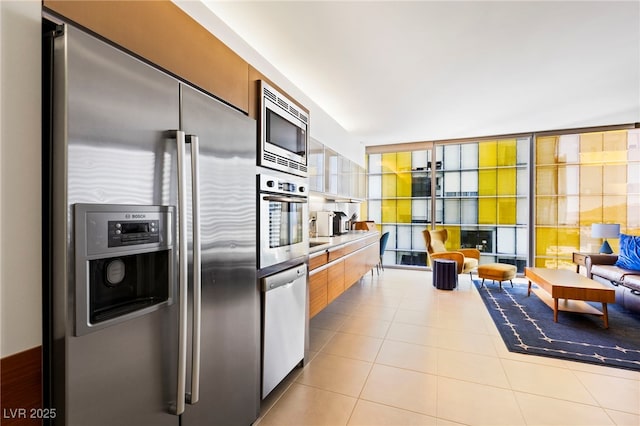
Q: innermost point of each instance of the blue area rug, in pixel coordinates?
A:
(526, 326)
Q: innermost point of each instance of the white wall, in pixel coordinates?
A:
(20, 212)
(323, 127)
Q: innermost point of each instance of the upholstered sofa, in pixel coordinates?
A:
(622, 271)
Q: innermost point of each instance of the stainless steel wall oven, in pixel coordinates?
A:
(284, 222)
(283, 132)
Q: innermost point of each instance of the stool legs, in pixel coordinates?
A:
(494, 281)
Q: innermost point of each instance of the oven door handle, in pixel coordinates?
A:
(285, 199)
(194, 395)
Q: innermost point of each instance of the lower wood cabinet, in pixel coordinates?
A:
(330, 280)
(335, 280)
(317, 291)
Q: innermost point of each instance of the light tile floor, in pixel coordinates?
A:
(393, 350)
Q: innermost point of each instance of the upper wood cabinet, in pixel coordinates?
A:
(161, 33)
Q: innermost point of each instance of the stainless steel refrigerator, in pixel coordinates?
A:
(152, 309)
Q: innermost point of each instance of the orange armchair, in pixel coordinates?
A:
(467, 259)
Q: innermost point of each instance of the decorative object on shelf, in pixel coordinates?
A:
(605, 230)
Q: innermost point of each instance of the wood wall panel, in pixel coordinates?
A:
(21, 388)
(163, 34)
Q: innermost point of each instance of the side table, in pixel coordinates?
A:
(445, 274)
(580, 259)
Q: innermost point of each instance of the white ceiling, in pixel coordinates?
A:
(390, 71)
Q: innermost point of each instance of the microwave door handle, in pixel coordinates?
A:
(194, 395)
(182, 273)
(286, 199)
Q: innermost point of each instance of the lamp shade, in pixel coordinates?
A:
(605, 230)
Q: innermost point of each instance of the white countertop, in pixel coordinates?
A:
(319, 244)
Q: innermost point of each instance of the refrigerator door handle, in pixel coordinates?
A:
(194, 395)
(182, 273)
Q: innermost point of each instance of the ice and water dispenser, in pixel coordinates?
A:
(124, 264)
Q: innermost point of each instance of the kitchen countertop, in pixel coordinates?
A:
(320, 244)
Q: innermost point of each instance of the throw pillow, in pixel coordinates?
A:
(629, 257)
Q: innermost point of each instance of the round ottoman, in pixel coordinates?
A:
(497, 272)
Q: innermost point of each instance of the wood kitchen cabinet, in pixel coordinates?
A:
(163, 34)
(335, 269)
(335, 283)
(317, 291)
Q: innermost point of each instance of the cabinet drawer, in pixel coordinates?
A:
(336, 253)
(318, 260)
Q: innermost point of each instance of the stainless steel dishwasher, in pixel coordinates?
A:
(283, 322)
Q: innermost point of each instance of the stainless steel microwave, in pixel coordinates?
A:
(283, 133)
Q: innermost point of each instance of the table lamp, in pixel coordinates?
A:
(605, 230)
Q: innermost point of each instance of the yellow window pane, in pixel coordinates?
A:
(364, 210)
(453, 239)
(404, 211)
(546, 211)
(591, 147)
(569, 211)
(487, 182)
(590, 180)
(542, 262)
(546, 149)
(487, 154)
(403, 182)
(590, 210)
(506, 211)
(487, 211)
(591, 142)
(507, 152)
(546, 241)
(614, 179)
(568, 241)
(389, 209)
(615, 146)
(506, 181)
(389, 187)
(403, 161)
(389, 162)
(546, 180)
(614, 209)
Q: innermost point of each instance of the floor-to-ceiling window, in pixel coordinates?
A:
(477, 190)
(399, 201)
(485, 192)
(484, 198)
(582, 179)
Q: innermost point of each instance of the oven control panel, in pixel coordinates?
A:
(289, 185)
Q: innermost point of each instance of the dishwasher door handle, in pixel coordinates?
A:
(284, 278)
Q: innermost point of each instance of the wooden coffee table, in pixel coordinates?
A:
(564, 290)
